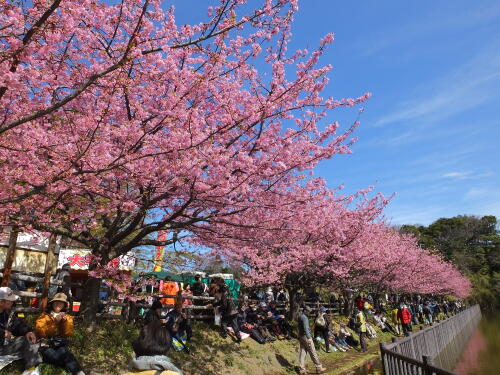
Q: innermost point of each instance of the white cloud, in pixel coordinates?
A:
(466, 175)
(456, 175)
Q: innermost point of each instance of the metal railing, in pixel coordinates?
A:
(415, 354)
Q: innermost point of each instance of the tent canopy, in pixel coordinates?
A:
(233, 285)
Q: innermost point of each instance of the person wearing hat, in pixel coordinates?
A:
(54, 327)
(322, 327)
(306, 342)
(16, 338)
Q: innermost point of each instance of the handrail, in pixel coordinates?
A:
(402, 357)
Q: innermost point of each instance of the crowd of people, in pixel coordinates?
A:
(259, 314)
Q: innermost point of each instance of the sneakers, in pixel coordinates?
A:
(320, 370)
(80, 373)
(32, 371)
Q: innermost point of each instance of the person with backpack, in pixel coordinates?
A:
(306, 343)
(322, 327)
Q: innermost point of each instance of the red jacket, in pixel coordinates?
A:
(360, 303)
(404, 315)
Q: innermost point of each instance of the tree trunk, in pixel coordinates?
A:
(294, 304)
(11, 255)
(90, 300)
(376, 301)
(349, 304)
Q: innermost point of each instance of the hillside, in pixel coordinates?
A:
(107, 350)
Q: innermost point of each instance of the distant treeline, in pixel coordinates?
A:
(473, 244)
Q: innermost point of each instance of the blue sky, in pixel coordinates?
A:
(430, 133)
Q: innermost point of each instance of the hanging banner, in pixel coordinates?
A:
(79, 259)
(160, 251)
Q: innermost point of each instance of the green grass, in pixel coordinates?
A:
(107, 351)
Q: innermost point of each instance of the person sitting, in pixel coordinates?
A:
(347, 336)
(246, 327)
(255, 318)
(370, 331)
(284, 326)
(228, 311)
(269, 321)
(54, 327)
(178, 324)
(16, 338)
(151, 350)
(333, 334)
(154, 312)
(383, 324)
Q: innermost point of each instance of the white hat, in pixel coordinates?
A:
(7, 294)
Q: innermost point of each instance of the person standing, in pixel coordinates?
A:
(306, 343)
(361, 327)
(171, 288)
(199, 288)
(404, 315)
(322, 327)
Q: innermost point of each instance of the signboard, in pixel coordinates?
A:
(160, 251)
(31, 251)
(79, 259)
(29, 241)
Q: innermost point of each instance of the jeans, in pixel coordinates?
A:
(22, 347)
(61, 357)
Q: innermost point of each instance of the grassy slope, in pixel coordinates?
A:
(107, 351)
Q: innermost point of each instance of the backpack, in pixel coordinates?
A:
(320, 321)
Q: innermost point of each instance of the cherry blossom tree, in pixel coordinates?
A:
(117, 122)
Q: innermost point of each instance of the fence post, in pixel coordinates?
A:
(385, 365)
(427, 361)
(48, 267)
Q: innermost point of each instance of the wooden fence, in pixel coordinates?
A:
(416, 354)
